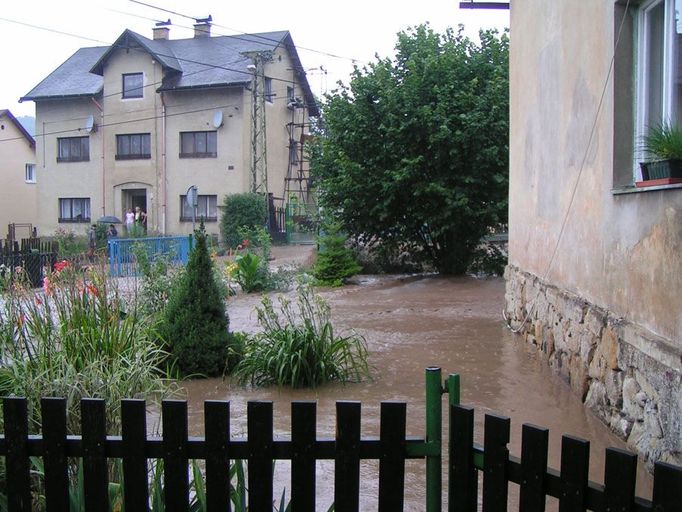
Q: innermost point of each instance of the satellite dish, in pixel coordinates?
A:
(217, 119)
(90, 124)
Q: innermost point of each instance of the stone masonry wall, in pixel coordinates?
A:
(628, 376)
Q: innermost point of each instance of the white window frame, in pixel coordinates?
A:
(30, 173)
(667, 91)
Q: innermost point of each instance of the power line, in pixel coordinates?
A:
(259, 36)
(181, 59)
(119, 123)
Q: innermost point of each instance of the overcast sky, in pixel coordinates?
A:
(328, 34)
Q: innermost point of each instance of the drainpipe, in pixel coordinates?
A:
(101, 125)
(163, 164)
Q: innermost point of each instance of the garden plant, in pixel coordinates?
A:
(194, 324)
(298, 346)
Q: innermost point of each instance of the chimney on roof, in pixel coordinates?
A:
(202, 29)
(161, 33)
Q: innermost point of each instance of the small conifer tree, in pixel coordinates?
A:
(335, 262)
(194, 323)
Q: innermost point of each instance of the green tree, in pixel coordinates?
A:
(194, 323)
(335, 262)
(415, 149)
(241, 211)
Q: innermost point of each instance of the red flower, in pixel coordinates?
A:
(61, 265)
(92, 289)
(245, 243)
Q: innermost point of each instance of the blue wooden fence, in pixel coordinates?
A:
(122, 260)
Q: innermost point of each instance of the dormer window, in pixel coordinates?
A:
(132, 85)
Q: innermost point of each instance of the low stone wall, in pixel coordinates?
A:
(628, 376)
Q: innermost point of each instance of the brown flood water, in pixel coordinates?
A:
(411, 324)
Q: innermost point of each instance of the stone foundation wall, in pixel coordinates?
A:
(628, 376)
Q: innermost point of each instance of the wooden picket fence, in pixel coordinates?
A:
(303, 448)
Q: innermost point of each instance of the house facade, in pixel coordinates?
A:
(595, 253)
(141, 121)
(18, 178)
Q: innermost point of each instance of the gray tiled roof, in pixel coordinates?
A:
(72, 78)
(192, 63)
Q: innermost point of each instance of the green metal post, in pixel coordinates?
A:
(434, 431)
(453, 389)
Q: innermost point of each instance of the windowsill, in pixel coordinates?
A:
(73, 221)
(198, 155)
(199, 217)
(133, 157)
(31, 182)
(632, 189)
(71, 160)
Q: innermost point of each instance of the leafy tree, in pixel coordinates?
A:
(415, 149)
(240, 211)
(194, 323)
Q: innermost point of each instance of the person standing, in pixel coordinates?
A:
(129, 220)
(140, 218)
(112, 233)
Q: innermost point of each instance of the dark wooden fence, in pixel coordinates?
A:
(135, 447)
(570, 485)
(32, 255)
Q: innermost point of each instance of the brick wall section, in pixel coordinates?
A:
(629, 377)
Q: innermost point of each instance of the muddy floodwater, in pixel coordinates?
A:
(412, 323)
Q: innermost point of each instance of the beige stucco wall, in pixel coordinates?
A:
(17, 198)
(66, 118)
(621, 252)
(595, 271)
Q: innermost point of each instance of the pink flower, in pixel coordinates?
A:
(47, 288)
(245, 243)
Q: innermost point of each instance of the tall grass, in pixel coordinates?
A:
(298, 346)
(76, 338)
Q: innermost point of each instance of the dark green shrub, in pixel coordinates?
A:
(335, 262)
(194, 323)
(241, 210)
(298, 346)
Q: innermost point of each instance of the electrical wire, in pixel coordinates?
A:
(259, 36)
(600, 104)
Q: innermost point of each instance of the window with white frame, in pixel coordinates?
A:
(659, 65)
(74, 209)
(30, 175)
(207, 208)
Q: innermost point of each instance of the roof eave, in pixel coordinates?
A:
(203, 86)
(60, 96)
(20, 127)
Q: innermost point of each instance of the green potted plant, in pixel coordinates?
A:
(663, 146)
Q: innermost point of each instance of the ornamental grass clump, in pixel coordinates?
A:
(298, 346)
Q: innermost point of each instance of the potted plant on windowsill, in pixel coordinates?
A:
(663, 145)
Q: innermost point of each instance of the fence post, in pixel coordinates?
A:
(434, 428)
